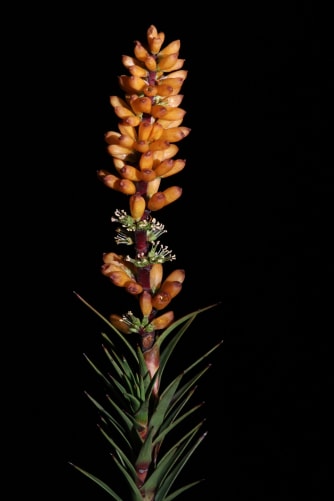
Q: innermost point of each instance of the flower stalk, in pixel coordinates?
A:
(143, 152)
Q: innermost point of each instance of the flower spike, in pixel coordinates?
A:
(143, 408)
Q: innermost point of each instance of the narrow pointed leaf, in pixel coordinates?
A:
(125, 341)
(170, 479)
(108, 415)
(185, 388)
(117, 363)
(168, 350)
(127, 416)
(117, 427)
(122, 366)
(124, 371)
(99, 482)
(199, 360)
(177, 451)
(180, 491)
(141, 416)
(165, 463)
(130, 482)
(175, 423)
(98, 372)
(128, 398)
(120, 452)
(135, 403)
(180, 321)
(119, 390)
(144, 375)
(112, 344)
(145, 454)
(163, 404)
(174, 410)
(153, 481)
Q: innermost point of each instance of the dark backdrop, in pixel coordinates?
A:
(252, 230)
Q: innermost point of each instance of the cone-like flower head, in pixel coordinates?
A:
(143, 151)
(150, 118)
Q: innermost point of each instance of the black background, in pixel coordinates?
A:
(252, 230)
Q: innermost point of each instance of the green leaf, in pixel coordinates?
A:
(181, 320)
(186, 387)
(128, 397)
(153, 482)
(127, 416)
(145, 453)
(166, 353)
(130, 482)
(163, 404)
(118, 428)
(141, 416)
(179, 465)
(172, 416)
(184, 442)
(175, 452)
(119, 334)
(168, 350)
(175, 423)
(177, 493)
(99, 482)
(181, 392)
(99, 373)
(145, 377)
(174, 409)
(124, 417)
(115, 361)
(125, 374)
(122, 367)
(120, 452)
(203, 356)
